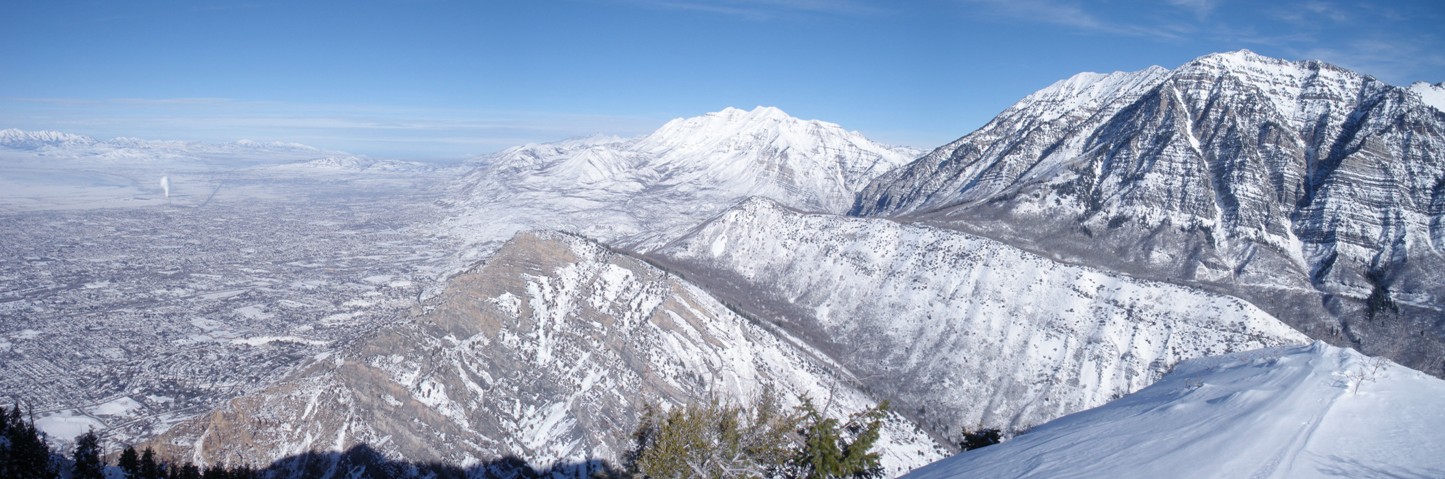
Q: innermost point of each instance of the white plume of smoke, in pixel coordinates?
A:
(166, 186)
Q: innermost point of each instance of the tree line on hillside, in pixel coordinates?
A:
(25, 454)
(710, 439)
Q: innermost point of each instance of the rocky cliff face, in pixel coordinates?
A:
(963, 331)
(547, 353)
(1311, 190)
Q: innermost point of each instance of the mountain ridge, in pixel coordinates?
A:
(915, 309)
(1307, 188)
(546, 351)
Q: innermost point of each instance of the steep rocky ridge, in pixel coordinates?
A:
(963, 331)
(1316, 192)
(547, 352)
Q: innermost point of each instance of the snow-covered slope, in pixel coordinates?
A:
(1308, 189)
(960, 330)
(547, 352)
(644, 191)
(1292, 412)
(1433, 95)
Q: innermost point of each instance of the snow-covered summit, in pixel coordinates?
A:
(736, 126)
(642, 192)
(1086, 91)
(1300, 411)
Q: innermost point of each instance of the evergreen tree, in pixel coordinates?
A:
(713, 440)
(148, 467)
(27, 455)
(981, 438)
(129, 463)
(88, 464)
(831, 450)
(187, 471)
(6, 460)
(859, 458)
(821, 457)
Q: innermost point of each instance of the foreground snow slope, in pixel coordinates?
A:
(1279, 412)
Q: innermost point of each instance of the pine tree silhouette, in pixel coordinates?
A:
(88, 464)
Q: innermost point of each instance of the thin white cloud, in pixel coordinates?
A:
(1355, 36)
(1326, 10)
(1295, 30)
(1395, 62)
(1200, 8)
(1074, 15)
(764, 9)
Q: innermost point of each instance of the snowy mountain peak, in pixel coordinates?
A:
(734, 129)
(1086, 92)
(759, 112)
(1092, 83)
(644, 192)
(1237, 58)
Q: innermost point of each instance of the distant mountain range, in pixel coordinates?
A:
(46, 139)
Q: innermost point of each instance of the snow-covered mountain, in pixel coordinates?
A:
(962, 331)
(64, 145)
(1313, 191)
(1301, 411)
(34, 140)
(547, 352)
(641, 192)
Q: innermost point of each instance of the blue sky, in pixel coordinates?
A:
(433, 79)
